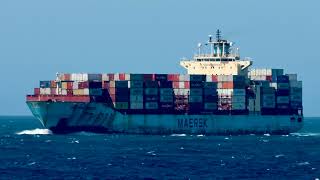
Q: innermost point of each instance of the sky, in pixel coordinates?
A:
(40, 37)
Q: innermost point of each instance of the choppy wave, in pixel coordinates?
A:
(179, 135)
(305, 134)
(35, 132)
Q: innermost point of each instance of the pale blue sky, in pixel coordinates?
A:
(40, 38)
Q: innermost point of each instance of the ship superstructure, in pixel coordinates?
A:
(218, 95)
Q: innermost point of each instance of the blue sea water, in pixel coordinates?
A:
(27, 151)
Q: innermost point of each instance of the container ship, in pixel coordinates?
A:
(219, 95)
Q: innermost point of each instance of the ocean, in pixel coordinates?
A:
(27, 151)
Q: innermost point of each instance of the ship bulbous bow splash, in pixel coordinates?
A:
(220, 94)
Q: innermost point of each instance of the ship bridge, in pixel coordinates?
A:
(221, 59)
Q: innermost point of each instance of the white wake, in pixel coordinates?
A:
(35, 132)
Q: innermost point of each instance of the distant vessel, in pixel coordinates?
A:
(218, 95)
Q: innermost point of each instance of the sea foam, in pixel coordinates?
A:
(35, 132)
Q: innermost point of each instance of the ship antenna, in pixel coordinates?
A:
(199, 48)
(211, 44)
(218, 36)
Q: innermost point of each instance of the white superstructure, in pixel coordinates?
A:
(222, 59)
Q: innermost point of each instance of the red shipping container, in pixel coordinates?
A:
(269, 78)
(122, 77)
(111, 77)
(214, 78)
(36, 91)
(148, 77)
(173, 77)
(187, 85)
(176, 85)
(69, 85)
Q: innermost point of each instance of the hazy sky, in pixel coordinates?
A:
(40, 38)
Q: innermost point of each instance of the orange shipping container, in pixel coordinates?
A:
(69, 85)
(53, 84)
(227, 85)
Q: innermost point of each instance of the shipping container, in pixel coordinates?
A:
(282, 79)
(210, 91)
(151, 98)
(136, 105)
(210, 98)
(239, 92)
(122, 91)
(197, 77)
(181, 91)
(166, 98)
(196, 92)
(283, 99)
(184, 77)
(136, 91)
(173, 77)
(148, 77)
(122, 84)
(45, 91)
(45, 84)
(94, 77)
(165, 84)
(95, 84)
(238, 106)
(151, 105)
(239, 99)
(121, 105)
(83, 85)
(283, 86)
(161, 77)
(211, 85)
(95, 92)
(136, 77)
(292, 77)
(296, 84)
(151, 91)
(210, 106)
(136, 98)
(151, 84)
(196, 84)
(166, 91)
(136, 84)
(36, 91)
(195, 99)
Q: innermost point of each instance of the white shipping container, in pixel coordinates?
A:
(225, 92)
(283, 100)
(136, 105)
(181, 85)
(86, 91)
(45, 91)
(209, 78)
(127, 77)
(184, 77)
(75, 85)
(181, 91)
(64, 92)
(105, 77)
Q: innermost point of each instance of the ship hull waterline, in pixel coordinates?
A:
(67, 117)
